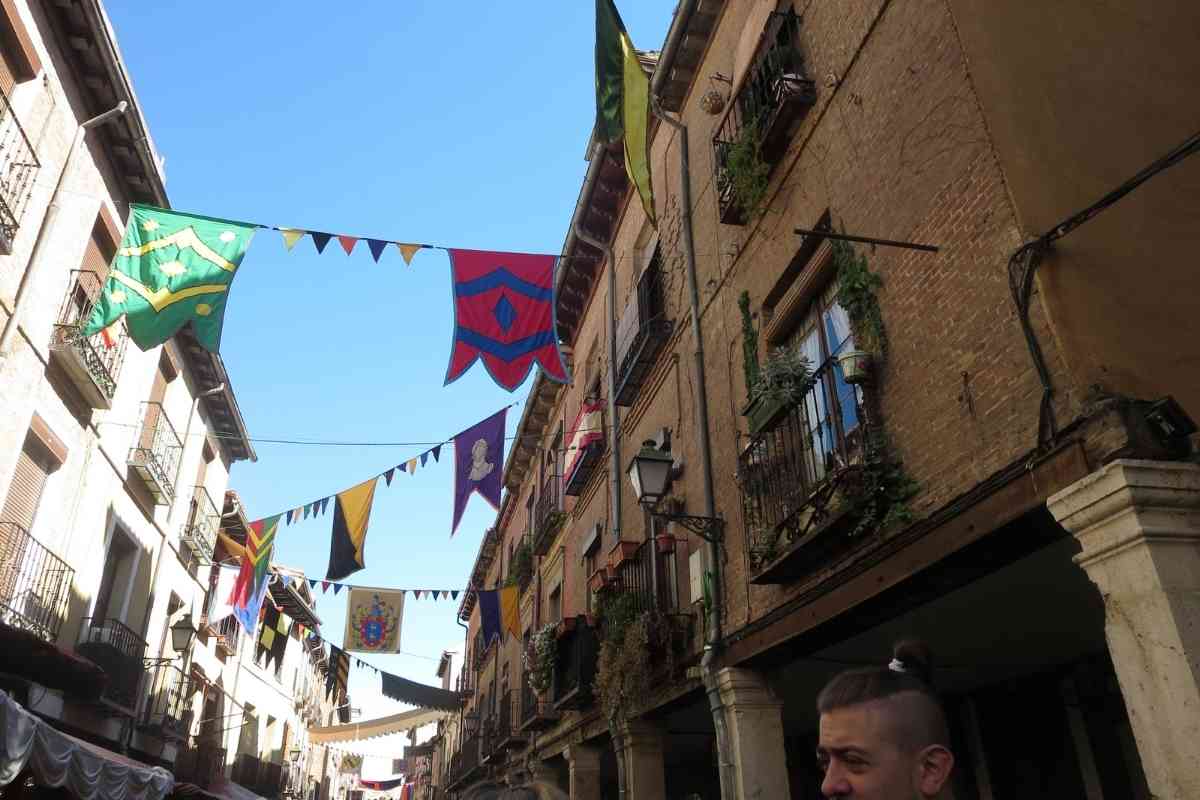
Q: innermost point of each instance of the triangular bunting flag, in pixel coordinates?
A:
(417, 593)
(291, 236)
(407, 251)
(337, 587)
(324, 587)
(289, 518)
(348, 243)
(434, 593)
(377, 246)
(412, 466)
(324, 504)
(387, 476)
(296, 513)
(437, 451)
(312, 583)
(307, 509)
(454, 594)
(424, 457)
(320, 239)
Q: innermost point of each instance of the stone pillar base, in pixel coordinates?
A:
(755, 720)
(1138, 523)
(642, 748)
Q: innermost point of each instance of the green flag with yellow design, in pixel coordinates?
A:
(171, 269)
(623, 99)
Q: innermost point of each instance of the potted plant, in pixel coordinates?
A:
(782, 381)
(665, 542)
(540, 655)
(855, 365)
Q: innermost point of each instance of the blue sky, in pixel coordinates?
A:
(446, 123)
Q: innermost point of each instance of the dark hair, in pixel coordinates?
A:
(910, 674)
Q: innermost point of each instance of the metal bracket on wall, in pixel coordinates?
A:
(845, 237)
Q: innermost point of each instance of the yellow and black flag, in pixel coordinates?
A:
(351, 514)
(623, 99)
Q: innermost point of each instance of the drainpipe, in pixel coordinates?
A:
(614, 423)
(43, 234)
(708, 663)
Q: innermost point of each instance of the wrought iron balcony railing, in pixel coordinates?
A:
(650, 578)
(642, 332)
(35, 584)
(117, 650)
(168, 710)
(155, 454)
(199, 765)
(200, 532)
(775, 94)
(787, 470)
(575, 667)
(19, 167)
(92, 362)
(548, 515)
(229, 632)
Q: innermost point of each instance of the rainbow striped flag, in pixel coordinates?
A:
(252, 581)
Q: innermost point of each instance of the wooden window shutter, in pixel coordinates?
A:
(18, 60)
(34, 465)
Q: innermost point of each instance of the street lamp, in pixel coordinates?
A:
(650, 474)
(182, 633)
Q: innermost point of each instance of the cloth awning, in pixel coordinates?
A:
(419, 694)
(88, 771)
(384, 726)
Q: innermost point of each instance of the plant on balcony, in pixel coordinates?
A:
(615, 611)
(521, 569)
(540, 655)
(750, 366)
(782, 381)
(880, 498)
(745, 172)
(631, 657)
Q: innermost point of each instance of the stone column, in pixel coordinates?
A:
(1138, 523)
(754, 716)
(584, 763)
(543, 774)
(642, 747)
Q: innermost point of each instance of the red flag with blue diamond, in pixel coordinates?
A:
(504, 315)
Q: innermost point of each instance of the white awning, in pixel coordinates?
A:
(57, 759)
(384, 726)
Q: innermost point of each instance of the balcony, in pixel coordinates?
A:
(536, 714)
(792, 474)
(118, 651)
(201, 765)
(771, 102)
(469, 758)
(508, 731)
(575, 667)
(155, 454)
(650, 577)
(200, 533)
(584, 445)
(19, 167)
(548, 516)
(168, 712)
(228, 633)
(91, 362)
(264, 777)
(35, 584)
(642, 333)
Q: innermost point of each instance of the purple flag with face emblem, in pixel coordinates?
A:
(478, 462)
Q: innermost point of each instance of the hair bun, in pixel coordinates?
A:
(916, 658)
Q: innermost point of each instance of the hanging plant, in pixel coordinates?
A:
(540, 656)
(615, 611)
(630, 661)
(745, 172)
(856, 292)
(880, 498)
(749, 345)
(521, 569)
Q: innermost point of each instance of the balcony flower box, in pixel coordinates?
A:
(622, 551)
(598, 579)
(665, 543)
(763, 411)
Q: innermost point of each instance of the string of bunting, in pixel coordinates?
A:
(337, 586)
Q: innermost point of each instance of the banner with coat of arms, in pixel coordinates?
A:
(373, 618)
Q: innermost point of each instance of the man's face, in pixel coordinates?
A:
(863, 759)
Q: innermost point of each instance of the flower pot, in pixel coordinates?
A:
(856, 366)
(621, 551)
(598, 579)
(762, 412)
(665, 543)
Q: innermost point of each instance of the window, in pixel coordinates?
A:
(554, 613)
(529, 514)
(120, 567)
(824, 332)
(35, 462)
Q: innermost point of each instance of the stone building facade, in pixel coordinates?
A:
(1010, 481)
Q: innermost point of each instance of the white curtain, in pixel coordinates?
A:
(56, 759)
